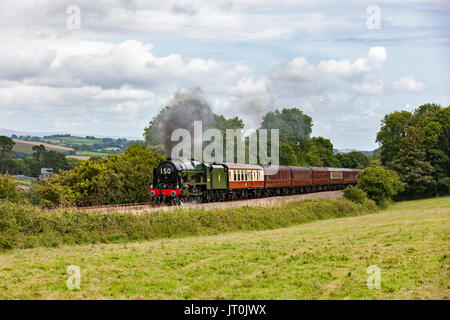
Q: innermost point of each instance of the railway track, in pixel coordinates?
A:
(152, 206)
(118, 207)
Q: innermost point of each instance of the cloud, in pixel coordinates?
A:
(407, 84)
(345, 69)
(300, 76)
(248, 56)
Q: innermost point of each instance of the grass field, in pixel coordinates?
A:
(325, 259)
(27, 146)
(71, 141)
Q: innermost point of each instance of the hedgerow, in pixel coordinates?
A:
(23, 226)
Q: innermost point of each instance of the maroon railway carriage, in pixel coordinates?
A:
(277, 176)
(301, 176)
(320, 177)
(350, 176)
(335, 177)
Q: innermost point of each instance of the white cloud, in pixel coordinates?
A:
(346, 69)
(300, 76)
(248, 56)
(407, 84)
(368, 88)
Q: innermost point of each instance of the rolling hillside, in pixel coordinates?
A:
(27, 146)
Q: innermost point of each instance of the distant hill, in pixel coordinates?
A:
(9, 133)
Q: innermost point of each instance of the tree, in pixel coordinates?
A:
(6, 147)
(8, 188)
(411, 165)
(417, 146)
(295, 126)
(55, 160)
(134, 170)
(288, 156)
(320, 153)
(390, 136)
(436, 135)
(38, 155)
(380, 184)
(353, 159)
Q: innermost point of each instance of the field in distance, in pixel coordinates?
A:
(23, 146)
(326, 259)
(82, 147)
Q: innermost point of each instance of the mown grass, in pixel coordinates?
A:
(319, 260)
(25, 227)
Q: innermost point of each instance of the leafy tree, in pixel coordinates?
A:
(6, 147)
(380, 184)
(390, 136)
(353, 159)
(411, 164)
(8, 188)
(320, 153)
(134, 170)
(38, 155)
(33, 167)
(222, 123)
(288, 155)
(55, 160)
(295, 126)
(436, 134)
(422, 158)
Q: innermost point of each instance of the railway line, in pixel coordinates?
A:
(152, 206)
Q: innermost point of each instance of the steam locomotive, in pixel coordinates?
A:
(182, 181)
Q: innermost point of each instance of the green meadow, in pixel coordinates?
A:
(318, 259)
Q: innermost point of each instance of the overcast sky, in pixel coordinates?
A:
(128, 58)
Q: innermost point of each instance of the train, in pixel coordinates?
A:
(181, 181)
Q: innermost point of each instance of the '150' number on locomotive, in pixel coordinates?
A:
(166, 171)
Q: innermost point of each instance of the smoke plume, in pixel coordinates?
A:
(181, 112)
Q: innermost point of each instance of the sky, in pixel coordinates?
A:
(107, 67)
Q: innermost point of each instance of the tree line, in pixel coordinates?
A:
(412, 161)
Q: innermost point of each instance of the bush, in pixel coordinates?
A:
(355, 194)
(117, 179)
(8, 188)
(23, 226)
(379, 184)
